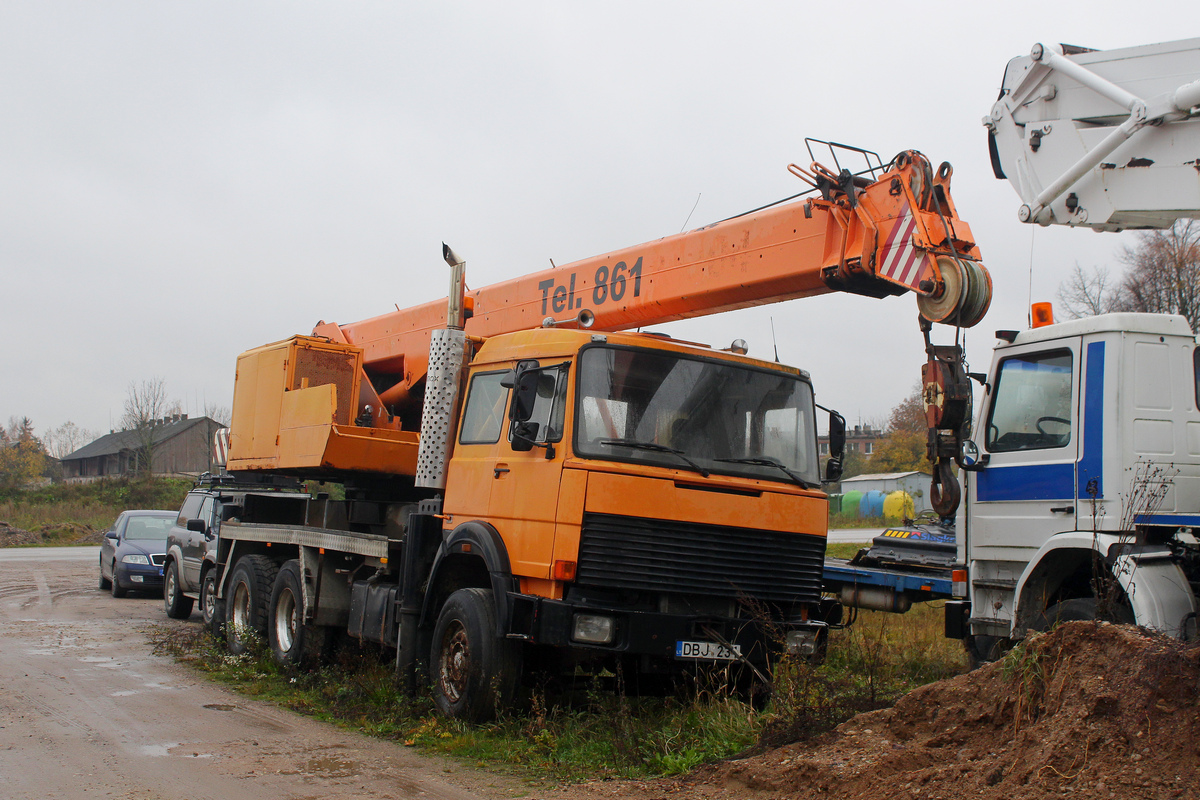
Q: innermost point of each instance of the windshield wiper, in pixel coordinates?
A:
(657, 448)
(770, 462)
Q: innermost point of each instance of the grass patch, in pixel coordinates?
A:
(841, 521)
(846, 550)
(595, 732)
(72, 513)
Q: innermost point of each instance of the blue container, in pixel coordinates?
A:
(871, 505)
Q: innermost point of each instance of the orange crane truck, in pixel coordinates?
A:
(529, 486)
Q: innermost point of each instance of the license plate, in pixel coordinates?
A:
(710, 651)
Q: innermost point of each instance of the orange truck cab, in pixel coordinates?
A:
(640, 497)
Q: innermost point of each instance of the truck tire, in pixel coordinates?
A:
(248, 601)
(983, 649)
(474, 671)
(174, 603)
(117, 590)
(1082, 608)
(210, 607)
(293, 642)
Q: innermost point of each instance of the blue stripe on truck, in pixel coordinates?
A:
(1029, 482)
(1091, 463)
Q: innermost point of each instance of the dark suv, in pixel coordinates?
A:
(188, 573)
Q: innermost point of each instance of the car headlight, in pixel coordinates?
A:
(134, 558)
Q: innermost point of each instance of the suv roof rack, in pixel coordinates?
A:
(248, 481)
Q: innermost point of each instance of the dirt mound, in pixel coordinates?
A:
(62, 533)
(1089, 710)
(14, 537)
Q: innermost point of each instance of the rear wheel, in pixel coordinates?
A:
(208, 596)
(291, 640)
(474, 671)
(117, 589)
(175, 603)
(247, 602)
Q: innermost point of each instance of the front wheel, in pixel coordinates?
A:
(105, 583)
(474, 671)
(175, 603)
(1084, 608)
(117, 589)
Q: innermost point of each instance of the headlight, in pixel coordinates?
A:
(134, 558)
(593, 629)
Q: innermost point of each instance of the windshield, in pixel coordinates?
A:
(146, 526)
(694, 414)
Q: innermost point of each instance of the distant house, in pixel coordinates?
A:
(182, 447)
(915, 483)
(859, 439)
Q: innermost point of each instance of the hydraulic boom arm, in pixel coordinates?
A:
(886, 232)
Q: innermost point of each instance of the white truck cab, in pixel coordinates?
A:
(1083, 483)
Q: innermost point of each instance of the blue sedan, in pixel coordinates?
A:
(133, 550)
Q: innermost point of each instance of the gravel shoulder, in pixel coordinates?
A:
(87, 711)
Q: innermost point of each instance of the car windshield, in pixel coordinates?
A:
(695, 414)
(148, 526)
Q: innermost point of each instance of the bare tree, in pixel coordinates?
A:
(218, 413)
(66, 439)
(145, 406)
(1163, 274)
(1086, 294)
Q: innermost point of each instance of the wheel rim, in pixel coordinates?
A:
(285, 620)
(206, 598)
(454, 663)
(241, 610)
(170, 586)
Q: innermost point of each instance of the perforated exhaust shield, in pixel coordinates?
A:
(447, 358)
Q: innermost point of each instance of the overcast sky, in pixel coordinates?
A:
(185, 181)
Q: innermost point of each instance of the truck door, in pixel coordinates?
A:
(1031, 434)
(515, 490)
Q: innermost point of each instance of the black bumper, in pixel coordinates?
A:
(656, 635)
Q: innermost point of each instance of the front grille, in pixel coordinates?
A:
(691, 558)
(158, 559)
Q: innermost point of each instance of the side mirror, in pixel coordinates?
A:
(837, 447)
(110, 535)
(197, 526)
(524, 435)
(524, 395)
(969, 457)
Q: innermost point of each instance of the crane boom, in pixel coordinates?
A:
(1105, 139)
(888, 233)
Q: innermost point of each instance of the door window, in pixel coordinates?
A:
(190, 510)
(483, 414)
(1031, 409)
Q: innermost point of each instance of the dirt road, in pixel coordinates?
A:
(87, 711)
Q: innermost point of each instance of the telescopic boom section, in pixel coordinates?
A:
(879, 235)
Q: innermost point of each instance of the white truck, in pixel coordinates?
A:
(1081, 486)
